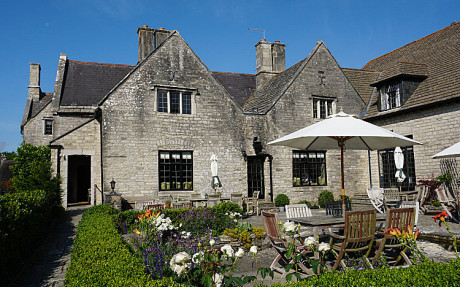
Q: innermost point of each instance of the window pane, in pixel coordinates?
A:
(308, 168)
(48, 127)
(388, 169)
(175, 170)
(329, 108)
(175, 103)
(162, 102)
(186, 103)
(315, 108)
(322, 105)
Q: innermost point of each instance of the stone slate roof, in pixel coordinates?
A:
(5, 172)
(437, 56)
(239, 86)
(403, 69)
(263, 99)
(45, 99)
(360, 79)
(85, 83)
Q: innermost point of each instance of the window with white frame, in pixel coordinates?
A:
(48, 127)
(390, 97)
(322, 108)
(174, 101)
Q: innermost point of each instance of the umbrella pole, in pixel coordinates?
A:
(343, 180)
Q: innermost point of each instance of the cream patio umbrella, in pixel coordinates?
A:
(343, 131)
(452, 151)
(215, 181)
(399, 164)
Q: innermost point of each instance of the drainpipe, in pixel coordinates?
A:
(270, 161)
(98, 116)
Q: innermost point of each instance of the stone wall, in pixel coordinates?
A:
(134, 132)
(436, 127)
(83, 141)
(34, 129)
(293, 111)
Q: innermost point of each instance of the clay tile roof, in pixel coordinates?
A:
(239, 86)
(360, 79)
(86, 83)
(436, 56)
(263, 99)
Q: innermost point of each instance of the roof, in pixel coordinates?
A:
(360, 79)
(436, 56)
(263, 99)
(239, 86)
(45, 99)
(86, 83)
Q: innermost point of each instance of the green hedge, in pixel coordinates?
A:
(425, 274)
(100, 257)
(24, 221)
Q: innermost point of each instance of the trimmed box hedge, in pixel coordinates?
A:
(100, 257)
(426, 274)
(24, 221)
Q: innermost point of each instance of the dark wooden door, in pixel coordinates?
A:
(256, 176)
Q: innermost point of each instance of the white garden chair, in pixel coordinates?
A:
(376, 197)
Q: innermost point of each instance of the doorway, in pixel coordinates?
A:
(79, 178)
(256, 176)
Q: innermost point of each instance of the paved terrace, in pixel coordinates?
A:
(49, 265)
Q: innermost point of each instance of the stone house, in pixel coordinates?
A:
(152, 127)
(414, 91)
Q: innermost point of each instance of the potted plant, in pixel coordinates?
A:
(281, 200)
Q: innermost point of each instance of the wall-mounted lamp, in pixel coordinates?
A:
(112, 186)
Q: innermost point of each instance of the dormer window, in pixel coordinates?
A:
(390, 97)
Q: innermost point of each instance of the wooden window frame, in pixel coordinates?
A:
(305, 163)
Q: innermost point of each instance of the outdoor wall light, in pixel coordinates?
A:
(112, 185)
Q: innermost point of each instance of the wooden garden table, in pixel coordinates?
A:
(322, 222)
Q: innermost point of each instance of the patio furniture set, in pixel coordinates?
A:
(358, 236)
(252, 203)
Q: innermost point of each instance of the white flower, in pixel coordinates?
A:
(253, 250)
(181, 257)
(323, 247)
(197, 257)
(211, 242)
(239, 253)
(310, 241)
(218, 278)
(290, 227)
(227, 250)
(179, 269)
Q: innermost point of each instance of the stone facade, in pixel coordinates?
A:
(107, 119)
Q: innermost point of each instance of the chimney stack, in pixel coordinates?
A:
(34, 81)
(145, 42)
(270, 60)
(160, 36)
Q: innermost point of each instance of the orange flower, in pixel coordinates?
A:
(416, 233)
(137, 231)
(442, 216)
(394, 231)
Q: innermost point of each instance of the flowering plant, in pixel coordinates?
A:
(212, 267)
(442, 219)
(408, 238)
(321, 251)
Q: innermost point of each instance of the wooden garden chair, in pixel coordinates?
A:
(237, 198)
(280, 244)
(388, 245)
(252, 203)
(357, 239)
(447, 203)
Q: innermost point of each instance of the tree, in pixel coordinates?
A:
(32, 171)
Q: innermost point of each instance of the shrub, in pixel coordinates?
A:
(308, 203)
(100, 257)
(325, 196)
(281, 200)
(24, 220)
(426, 274)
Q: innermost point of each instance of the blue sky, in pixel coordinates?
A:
(105, 31)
